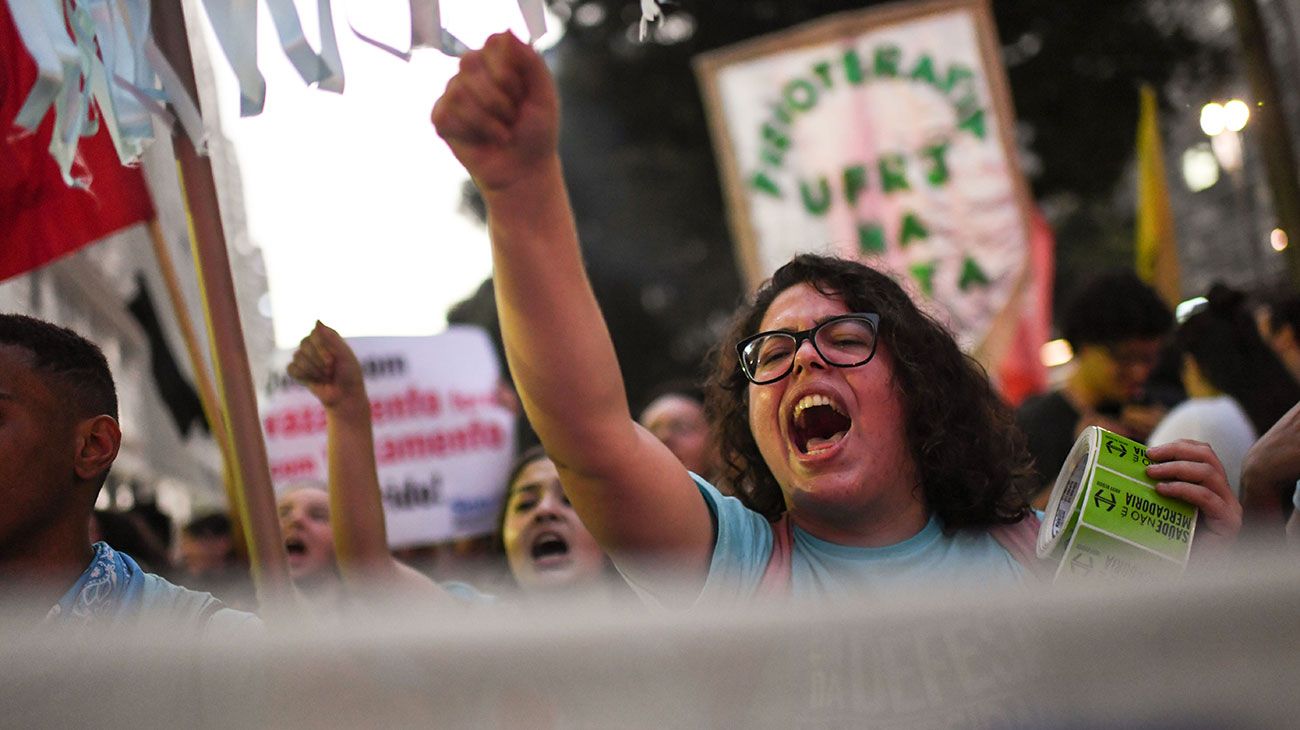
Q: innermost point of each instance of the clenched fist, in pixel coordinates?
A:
(327, 366)
(500, 114)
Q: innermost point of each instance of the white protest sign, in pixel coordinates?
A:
(884, 135)
(443, 443)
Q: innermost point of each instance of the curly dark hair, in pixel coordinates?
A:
(972, 463)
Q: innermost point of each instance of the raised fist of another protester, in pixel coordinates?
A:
(499, 114)
(327, 366)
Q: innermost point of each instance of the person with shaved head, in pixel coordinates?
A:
(59, 435)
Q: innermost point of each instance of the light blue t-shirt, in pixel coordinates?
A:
(744, 540)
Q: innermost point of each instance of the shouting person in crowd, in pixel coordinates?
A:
(845, 413)
(304, 511)
(58, 438)
(1236, 387)
(547, 548)
(350, 516)
(1116, 326)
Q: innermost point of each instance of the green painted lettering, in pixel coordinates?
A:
(853, 67)
(913, 229)
(775, 137)
(820, 204)
(823, 72)
(973, 123)
(887, 58)
(762, 183)
(893, 173)
(924, 71)
(871, 238)
(958, 74)
(855, 181)
(782, 114)
(937, 154)
(775, 144)
(971, 275)
(924, 275)
(801, 95)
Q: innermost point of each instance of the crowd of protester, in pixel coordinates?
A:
(842, 442)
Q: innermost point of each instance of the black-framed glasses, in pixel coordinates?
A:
(846, 341)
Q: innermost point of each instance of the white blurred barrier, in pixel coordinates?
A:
(1207, 652)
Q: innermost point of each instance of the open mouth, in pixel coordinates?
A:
(295, 546)
(817, 424)
(549, 547)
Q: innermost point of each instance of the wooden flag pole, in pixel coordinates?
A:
(255, 499)
(202, 379)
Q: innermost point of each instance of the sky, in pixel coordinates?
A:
(352, 197)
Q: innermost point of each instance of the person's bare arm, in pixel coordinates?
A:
(500, 116)
(330, 370)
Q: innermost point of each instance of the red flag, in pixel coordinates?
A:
(1021, 372)
(41, 218)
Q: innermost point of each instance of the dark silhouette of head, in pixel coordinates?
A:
(58, 433)
(1221, 338)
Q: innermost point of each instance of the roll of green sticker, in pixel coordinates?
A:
(1106, 522)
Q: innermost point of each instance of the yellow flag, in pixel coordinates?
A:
(1157, 248)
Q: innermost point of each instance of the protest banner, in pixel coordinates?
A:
(443, 442)
(885, 135)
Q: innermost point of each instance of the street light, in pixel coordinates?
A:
(1200, 168)
(1277, 239)
(1222, 123)
(1055, 353)
(1235, 115)
(1212, 119)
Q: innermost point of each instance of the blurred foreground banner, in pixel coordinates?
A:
(886, 135)
(1222, 653)
(443, 443)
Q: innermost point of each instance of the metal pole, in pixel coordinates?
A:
(1275, 138)
(256, 499)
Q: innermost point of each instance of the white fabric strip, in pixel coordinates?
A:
(427, 30)
(127, 119)
(329, 49)
(69, 124)
(535, 17)
(284, 16)
(650, 12)
(235, 25)
(55, 55)
(187, 111)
